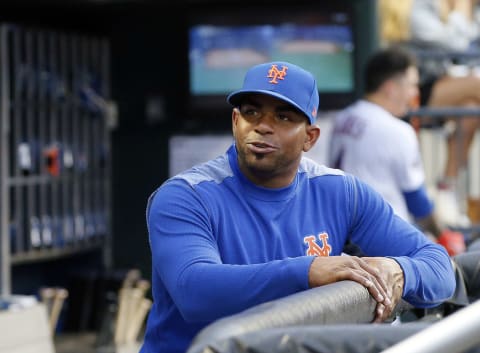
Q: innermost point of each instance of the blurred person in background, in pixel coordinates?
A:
(435, 30)
(444, 24)
(370, 141)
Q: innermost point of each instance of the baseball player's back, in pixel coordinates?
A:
(382, 150)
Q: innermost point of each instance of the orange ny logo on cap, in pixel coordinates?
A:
(274, 73)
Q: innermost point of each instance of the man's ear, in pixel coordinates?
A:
(388, 88)
(313, 133)
(235, 116)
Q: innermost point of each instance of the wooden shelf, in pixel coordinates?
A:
(56, 253)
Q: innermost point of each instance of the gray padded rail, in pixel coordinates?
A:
(336, 318)
(344, 338)
(345, 302)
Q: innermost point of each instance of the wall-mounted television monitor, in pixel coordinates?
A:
(224, 44)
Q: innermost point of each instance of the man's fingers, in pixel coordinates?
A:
(378, 293)
(383, 312)
(377, 275)
(374, 282)
(379, 313)
(372, 285)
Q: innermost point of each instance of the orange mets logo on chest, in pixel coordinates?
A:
(275, 74)
(314, 249)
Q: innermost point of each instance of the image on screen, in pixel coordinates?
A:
(219, 55)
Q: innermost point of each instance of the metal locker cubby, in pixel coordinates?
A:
(55, 146)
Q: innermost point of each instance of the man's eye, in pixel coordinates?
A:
(250, 112)
(283, 117)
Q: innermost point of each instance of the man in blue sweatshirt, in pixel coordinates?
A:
(262, 222)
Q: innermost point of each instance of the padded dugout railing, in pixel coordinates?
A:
(337, 318)
(345, 302)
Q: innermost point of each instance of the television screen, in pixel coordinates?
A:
(220, 56)
(222, 49)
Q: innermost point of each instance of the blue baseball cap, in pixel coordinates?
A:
(284, 81)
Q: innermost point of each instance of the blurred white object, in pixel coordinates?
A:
(456, 70)
(448, 210)
(25, 330)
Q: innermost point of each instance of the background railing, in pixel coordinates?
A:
(432, 133)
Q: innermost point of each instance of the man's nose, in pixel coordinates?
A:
(266, 122)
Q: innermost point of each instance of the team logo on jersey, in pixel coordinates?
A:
(314, 249)
(275, 74)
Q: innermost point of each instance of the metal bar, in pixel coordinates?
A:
(53, 112)
(88, 136)
(66, 140)
(17, 146)
(5, 275)
(98, 123)
(77, 148)
(44, 137)
(455, 333)
(440, 54)
(443, 112)
(32, 206)
(106, 175)
(82, 136)
(27, 168)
